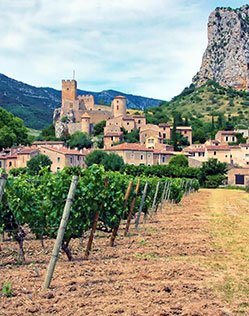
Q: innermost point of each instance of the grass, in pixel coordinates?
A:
(229, 229)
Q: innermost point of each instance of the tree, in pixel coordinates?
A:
(213, 173)
(80, 140)
(98, 129)
(47, 133)
(12, 130)
(95, 157)
(179, 161)
(112, 162)
(37, 163)
(109, 161)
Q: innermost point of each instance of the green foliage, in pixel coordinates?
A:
(7, 289)
(18, 171)
(37, 163)
(47, 133)
(212, 173)
(98, 129)
(12, 130)
(38, 201)
(161, 171)
(179, 161)
(131, 137)
(110, 161)
(80, 140)
(214, 181)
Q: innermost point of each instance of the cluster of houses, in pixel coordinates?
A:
(80, 113)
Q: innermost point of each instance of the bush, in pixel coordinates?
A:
(214, 181)
(37, 163)
(179, 160)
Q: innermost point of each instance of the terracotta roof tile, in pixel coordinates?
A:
(129, 146)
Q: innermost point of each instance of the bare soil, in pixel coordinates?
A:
(160, 270)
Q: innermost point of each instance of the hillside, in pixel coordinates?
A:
(36, 105)
(208, 100)
(226, 59)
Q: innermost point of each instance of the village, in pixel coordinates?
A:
(80, 113)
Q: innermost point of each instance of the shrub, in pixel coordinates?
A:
(7, 289)
(214, 181)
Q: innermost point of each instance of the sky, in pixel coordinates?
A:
(151, 48)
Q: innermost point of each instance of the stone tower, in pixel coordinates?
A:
(69, 90)
(119, 106)
(85, 123)
(68, 97)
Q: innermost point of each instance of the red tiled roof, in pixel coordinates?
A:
(67, 151)
(195, 150)
(113, 134)
(27, 151)
(138, 116)
(120, 97)
(228, 132)
(129, 146)
(44, 142)
(218, 148)
(127, 118)
(2, 157)
(244, 145)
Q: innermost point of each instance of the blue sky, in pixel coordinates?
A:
(145, 47)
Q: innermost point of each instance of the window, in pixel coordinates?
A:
(227, 138)
(71, 160)
(239, 179)
(142, 157)
(58, 168)
(128, 123)
(164, 135)
(214, 153)
(117, 107)
(0, 164)
(58, 159)
(163, 159)
(233, 139)
(10, 163)
(139, 121)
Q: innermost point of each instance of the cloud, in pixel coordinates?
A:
(145, 47)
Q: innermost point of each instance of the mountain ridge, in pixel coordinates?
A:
(35, 105)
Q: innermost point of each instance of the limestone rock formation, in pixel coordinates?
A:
(226, 59)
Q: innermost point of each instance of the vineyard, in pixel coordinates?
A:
(101, 200)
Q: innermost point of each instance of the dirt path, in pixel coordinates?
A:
(168, 268)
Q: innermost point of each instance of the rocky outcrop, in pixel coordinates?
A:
(226, 59)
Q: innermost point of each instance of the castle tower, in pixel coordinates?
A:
(119, 106)
(85, 123)
(69, 90)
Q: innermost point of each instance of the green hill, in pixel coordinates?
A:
(207, 108)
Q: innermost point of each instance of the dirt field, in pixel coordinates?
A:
(191, 259)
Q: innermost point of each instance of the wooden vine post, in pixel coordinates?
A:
(163, 194)
(133, 202)
(94, 228)
(115, 229)
(61, 232)
(155, 197)
(3, 179)
(141, 205)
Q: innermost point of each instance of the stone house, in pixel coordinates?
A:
(133, 153)
(238, 176)
(225, 137)
(64, 157)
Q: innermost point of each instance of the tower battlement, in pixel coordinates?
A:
(69, 90)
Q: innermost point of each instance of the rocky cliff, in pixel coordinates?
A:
(226, 59)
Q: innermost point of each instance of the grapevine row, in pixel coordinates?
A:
(38, 201)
